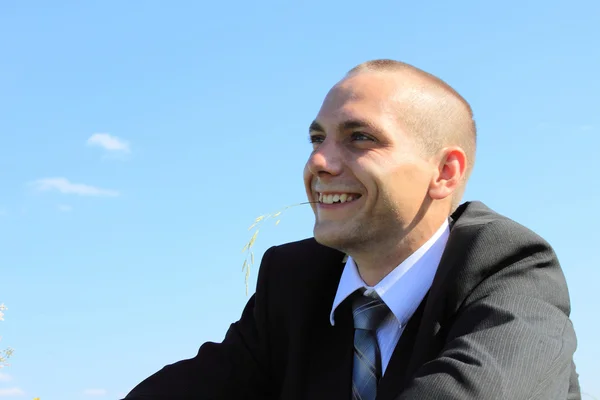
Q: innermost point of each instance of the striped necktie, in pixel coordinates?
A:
(368, 314)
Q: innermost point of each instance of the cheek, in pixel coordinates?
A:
(403, 184)
(307, 177)
(365, 173)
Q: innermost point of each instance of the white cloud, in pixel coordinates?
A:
(108, 142)
(94, 392)
(15, 391)
(5, 377)
(64, 207)
(64, 186)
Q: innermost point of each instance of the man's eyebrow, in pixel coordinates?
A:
(355, 124)
(316, 127)
(344, 126)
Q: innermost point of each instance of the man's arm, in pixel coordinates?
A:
(237, 368)
(512, 337)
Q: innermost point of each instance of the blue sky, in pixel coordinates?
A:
(116, 262)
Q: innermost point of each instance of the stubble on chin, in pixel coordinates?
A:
(338, 236)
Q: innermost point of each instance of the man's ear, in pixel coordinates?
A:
(450, 173)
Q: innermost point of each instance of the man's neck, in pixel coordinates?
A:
(376, 263)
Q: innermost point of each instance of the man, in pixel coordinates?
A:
(435, 300)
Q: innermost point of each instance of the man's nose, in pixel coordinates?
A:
(326, 159)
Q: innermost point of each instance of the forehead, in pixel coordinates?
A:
(364, 96)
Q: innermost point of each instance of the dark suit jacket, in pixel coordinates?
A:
(494, 325)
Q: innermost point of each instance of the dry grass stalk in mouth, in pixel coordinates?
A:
(249, 260)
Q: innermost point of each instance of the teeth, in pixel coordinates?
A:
(334, 198)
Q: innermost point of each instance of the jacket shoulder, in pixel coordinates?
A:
(491, 252)
(300, 273)
(483, 223)
(303, 257)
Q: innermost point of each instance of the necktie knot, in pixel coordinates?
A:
(368, 312)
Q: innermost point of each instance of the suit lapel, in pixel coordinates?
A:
(444, 298)
(330, 369)
(395, 374)
(330, 348)
(416, 343)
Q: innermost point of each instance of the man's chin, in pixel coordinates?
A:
(331, 237)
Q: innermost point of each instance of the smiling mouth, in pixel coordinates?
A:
(337, 198)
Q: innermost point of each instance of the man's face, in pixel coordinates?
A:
(365, 171)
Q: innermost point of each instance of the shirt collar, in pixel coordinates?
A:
(402, 296)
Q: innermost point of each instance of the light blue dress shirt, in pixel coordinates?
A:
(402, 290)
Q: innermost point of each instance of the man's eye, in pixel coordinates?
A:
(316, 138)
(360, 136)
